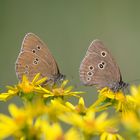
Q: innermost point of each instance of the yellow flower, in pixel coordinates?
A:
(49, 131)
(111, 135)
(104, 100)
(108, 98)
(25, 87)
(135, 92)
(106, 92)
(12, 126)
(80, 108)
(93, 124)
(51, 110)
(73, 134)
(22, 122)
(57, 91)
(12, 91)
(54, 131)
(88, 123)
(132, 122)
(36, 108)
(56, 108)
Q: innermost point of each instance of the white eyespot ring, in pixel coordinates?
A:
(101, 66)
(38, 47)
(103, 63)
(37, 59)
(33, 51)
(88, 78)
(35, 62)
(103, 53)
(90, 74)
(91, 68)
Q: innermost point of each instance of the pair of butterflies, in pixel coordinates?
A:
(97, 68)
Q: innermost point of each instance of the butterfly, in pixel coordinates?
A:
(35, 57)
(100, 69)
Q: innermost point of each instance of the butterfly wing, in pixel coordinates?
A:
(35, 57)
(99, 67)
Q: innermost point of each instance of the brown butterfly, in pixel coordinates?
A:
(100, 69)
(35, 57)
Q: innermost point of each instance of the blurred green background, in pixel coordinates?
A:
(68, 27)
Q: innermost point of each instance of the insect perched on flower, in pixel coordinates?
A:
(100, 69)
(35, 57)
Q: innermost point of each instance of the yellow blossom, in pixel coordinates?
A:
(135, 92)
(89, 123)
(108, 98)
(106, 92)
(58, 91)
(132, 122)
(80, 108)
(111, 95)
(51, 131)
(25, 87)
(46, 109)
(14, 124)
(12, 91)
(54, 131)
(73, 134)
(22, 123)
(56, 108)
(111, 136)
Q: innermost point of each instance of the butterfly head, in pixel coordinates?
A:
(116, 86)
(59, 78)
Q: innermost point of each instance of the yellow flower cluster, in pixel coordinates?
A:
(47, 112)
(26, 89)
